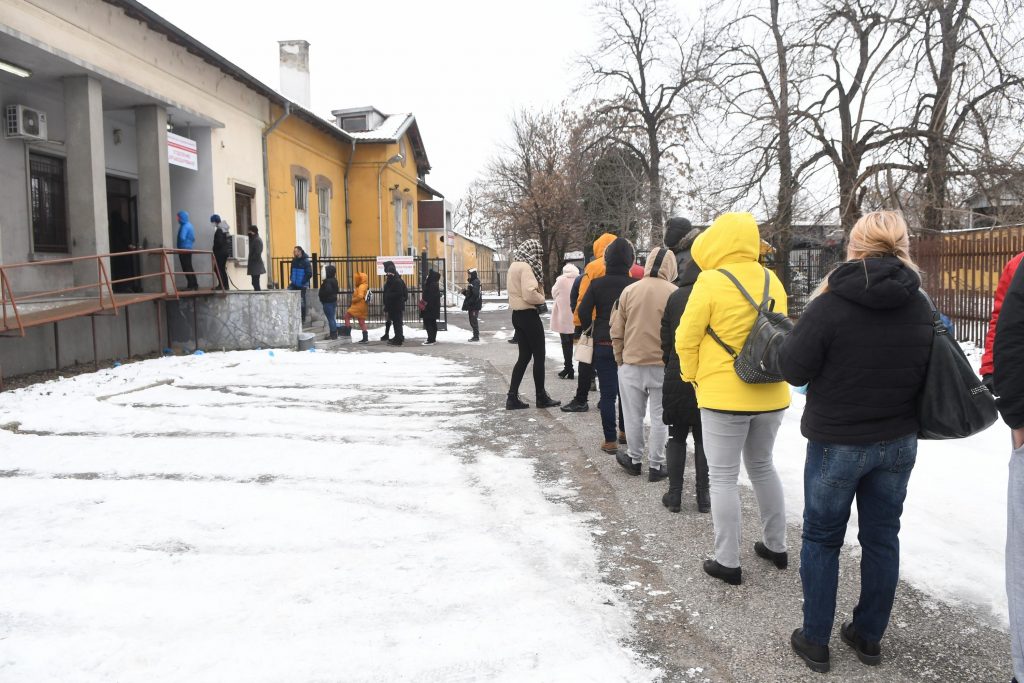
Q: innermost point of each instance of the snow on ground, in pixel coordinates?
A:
(271, 516)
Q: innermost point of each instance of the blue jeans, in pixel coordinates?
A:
(876, 475)
(608, 381)
(330, 312)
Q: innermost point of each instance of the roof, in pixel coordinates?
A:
(478, 240)
(423, 186)
(391, 131)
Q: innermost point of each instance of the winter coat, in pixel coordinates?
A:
(592, 271)
(636, 318)
(574, 296)
(186, 233)
(394, 295)
(329, 287)
(681, 249)
(1004, 284)
(1008, 354)
(359, 308)
(561, 312)
(524, 291)
(678, 400)
(221, 243)
(864, 346)
(255, 265)
(733, 243)
(301, 273)
(472, 300)
(600, 298)
(432, 295)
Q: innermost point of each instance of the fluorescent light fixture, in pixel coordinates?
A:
(14, 69)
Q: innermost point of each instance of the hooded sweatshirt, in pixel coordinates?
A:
(636, 318)
(359, 309)
(864, 346)
(561, 313)
(593, 270)
(186, 233)
(605, 290)
(732, 243)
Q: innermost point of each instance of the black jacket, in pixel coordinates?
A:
(1008, 354)
(863, 345)
(604, 291)
(329, 291)
(221, 243)
(678, 399)
(432, 295)
(473, 300)
(394, 295)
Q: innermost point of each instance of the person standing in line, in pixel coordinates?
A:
(472, 302)
(328, 295)
(1008, 377)
(739, 421)
(679, 237)
(863, 345)
(562, 314)
(432, 310)
(300, 276)
(591, 272)
(186, 240)
(679, 405)
(525, 295)
(595, 307)
(636, 342)
(221, 249)
(359, 309)
(395, 295)
(255, 267)
(987, 366)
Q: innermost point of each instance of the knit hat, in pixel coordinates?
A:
(531, 253)
(215, 218)
(675, 230)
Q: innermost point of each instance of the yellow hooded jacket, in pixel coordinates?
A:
(732, 243)
(359, 309)
(594, 270)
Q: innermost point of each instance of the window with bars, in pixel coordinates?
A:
(49, 203)
(324, 202)
(301, 193)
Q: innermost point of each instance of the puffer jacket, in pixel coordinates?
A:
(561, 312)
(600, 298)
(592, 270)
(524, 291)
(636, 318)
(473, 300)
(301, 273)
(186, 233)
(358, 308)
(432, 295)
(678, 400)
(328, 292)
(395, 292)
(732, 243)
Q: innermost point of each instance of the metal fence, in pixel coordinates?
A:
(347, 267)
(492, 280)
(802, 272)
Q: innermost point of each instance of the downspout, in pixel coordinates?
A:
(266, 187)
(348, 218)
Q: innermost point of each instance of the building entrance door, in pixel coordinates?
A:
(124, 234)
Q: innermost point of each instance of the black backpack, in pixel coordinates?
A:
(758, 360)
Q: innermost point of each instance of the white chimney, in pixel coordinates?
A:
(295, 71)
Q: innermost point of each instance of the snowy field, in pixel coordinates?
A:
(261, 516)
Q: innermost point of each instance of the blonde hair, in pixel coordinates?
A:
(877, 234)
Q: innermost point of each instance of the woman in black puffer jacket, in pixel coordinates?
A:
(679, 404)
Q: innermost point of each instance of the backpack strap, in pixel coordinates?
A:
(765, 300)
(728, 349)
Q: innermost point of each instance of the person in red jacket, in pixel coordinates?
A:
(987, 364)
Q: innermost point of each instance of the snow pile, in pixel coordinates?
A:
(260, 516)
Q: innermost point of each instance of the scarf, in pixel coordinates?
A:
(531, 253)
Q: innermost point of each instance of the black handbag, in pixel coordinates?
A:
(953, 404)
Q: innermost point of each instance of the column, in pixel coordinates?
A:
(156, 226)
(86, 174)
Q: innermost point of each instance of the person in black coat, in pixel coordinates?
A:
(221, 249)
(394, 296)
(328, 296)
(596, 306)
(472, 303)
(679, 404)
(432, 310)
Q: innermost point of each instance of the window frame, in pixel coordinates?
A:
(62, 215)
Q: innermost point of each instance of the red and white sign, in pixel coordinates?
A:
(182, 152)
(405, 264)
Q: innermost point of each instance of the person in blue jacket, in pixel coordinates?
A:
(301, 274)
(186, 240)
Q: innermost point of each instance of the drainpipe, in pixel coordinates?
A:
(266, 188)
(348, 218)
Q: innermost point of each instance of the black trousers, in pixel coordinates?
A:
(530, 338)
(584, 377)
(222, 269)
(396, 320)
(430, 325)
(474, 322)
(567, 350)
(190, 273)
(255, 282)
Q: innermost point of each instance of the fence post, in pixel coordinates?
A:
(315, 284)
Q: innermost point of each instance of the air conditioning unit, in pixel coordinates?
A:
(412, 251)
(22, 122)
(240, 247)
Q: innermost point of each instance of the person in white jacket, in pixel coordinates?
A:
(561, 315)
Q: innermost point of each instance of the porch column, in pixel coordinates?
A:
(154, 208)
(86, 174)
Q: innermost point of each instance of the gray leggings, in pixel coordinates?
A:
(728, 439)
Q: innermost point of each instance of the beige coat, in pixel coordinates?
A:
(524, 291)
(636, 318)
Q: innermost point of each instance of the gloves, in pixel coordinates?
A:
(988, 383)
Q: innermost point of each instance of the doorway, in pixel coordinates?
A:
(123, 231)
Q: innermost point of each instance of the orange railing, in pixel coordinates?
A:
(63, 303)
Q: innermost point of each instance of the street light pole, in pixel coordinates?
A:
(397, 158)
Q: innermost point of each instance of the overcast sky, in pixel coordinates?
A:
(461, 66)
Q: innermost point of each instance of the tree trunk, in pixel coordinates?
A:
(936, 145)
(787, 185)
(654, 178)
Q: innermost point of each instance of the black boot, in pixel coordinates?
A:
(675, 459)
(703, 500)
(781, 560)
(514, 403)
(731, 575)
(815, 656)
(867, 652)
(545, 401)
(387, 331)
(365, 339)
(700, 464)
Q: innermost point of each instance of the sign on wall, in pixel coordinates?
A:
(182, 152)
(404, 264)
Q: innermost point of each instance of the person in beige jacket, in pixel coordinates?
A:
(525, 294)
(636, 341)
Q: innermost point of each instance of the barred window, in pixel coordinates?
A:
(49, 203)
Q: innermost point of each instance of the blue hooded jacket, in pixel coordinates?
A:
(186, 233)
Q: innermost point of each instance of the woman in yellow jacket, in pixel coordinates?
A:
(739, 420)
(359, 310)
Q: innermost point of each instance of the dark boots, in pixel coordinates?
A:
(675, 460)
(816, 657)
(513, 402)
(365, 339)
(700, 462)
(545, 401)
